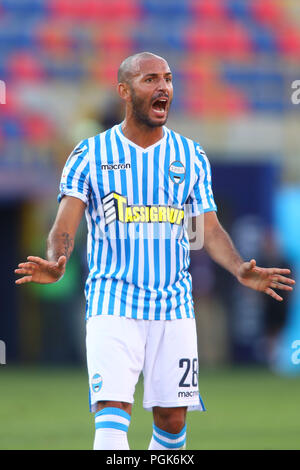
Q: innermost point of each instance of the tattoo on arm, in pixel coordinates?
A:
(68, 244)
(59, 244)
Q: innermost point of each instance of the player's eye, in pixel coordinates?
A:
(149, 80)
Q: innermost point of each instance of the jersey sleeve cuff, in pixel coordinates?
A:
(72, 193)
(196, 211)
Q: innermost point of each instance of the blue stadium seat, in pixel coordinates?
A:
(65, 71)
(239, 9)
(12, 128)
(4, 74)
(264, 88)
(15, 36)
(260, 104)
(25, 8)
(166, 9)
(263, 40)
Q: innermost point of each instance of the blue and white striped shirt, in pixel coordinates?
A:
(138, 247)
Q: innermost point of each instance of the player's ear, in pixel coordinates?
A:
(124, 91)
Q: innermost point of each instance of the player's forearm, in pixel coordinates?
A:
(61, 238)
(220, 248)
(59, 243)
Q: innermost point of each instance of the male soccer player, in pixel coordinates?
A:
(134, 182)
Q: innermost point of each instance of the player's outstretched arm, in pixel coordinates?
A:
(60, 244)
(220, 247)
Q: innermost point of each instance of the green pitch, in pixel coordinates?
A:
(47, 408)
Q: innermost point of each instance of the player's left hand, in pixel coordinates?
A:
(265, 279)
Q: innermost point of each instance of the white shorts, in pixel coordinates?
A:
(119, 349)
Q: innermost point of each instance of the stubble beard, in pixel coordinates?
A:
(140, 116)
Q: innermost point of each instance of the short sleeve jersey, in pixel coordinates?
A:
(137, 202)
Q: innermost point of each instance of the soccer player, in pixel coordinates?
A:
(134, 182)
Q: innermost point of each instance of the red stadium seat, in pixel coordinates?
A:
(68, 8)
(213, 9)
(234, 41)
(216, 101)
(24, 66)
(37, 129)
(54, 38)
(104, 69)
(266, 11)
(94, 9)
(201, 38)
(112, 39)
(235, 101)
(198, 69)
(288, 41)
(226, 39)
(118, 9)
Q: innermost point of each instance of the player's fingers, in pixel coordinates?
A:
(283, 279)
(36, 259)
(23, 271)
(273, 294)
(278, 285)
(27, 264)
(279, 271)
(24, 280)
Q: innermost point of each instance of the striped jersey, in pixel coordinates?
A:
(137, 201)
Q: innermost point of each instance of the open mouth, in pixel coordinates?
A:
(159, 106)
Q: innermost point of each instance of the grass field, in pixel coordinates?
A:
(47, 408)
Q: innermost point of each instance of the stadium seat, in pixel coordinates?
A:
(94, 9)
(12, 127)
(268, 12)
(204, 10)
(224, 39)
(167, 9)
(53, 38)
(4, 73)
(288, 42)
(234, 41)
(113, 39)
(25, 8)
(215, 99)
(15, 36)
(264, 88)
(37, 128)
(24, 66)
(238, 9)
(263, 40)
(200, 39)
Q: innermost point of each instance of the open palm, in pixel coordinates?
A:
(41, 271)
(265, 279)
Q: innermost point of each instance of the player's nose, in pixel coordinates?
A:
(162, 85)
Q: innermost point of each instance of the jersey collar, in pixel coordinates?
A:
(142, 149)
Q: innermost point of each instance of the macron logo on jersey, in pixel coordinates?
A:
(115, 207)
(115, 166)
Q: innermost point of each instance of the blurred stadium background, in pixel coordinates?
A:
(234, 62)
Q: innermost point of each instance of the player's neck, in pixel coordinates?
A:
(141, 134)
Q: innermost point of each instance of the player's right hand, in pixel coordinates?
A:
(40, 270)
